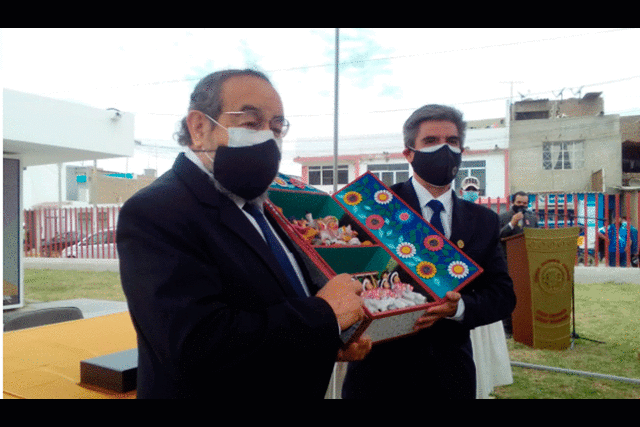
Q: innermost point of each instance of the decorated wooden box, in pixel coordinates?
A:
(365, 230)
(427, 255)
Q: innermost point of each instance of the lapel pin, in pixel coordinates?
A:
(460, 244)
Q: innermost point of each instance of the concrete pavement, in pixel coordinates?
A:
(82, 264)
(603, 274)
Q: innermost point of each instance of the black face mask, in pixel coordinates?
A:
(517, 209)
(439, 166)
(247, 171)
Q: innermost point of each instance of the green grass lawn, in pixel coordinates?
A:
(605, 312)
(56, 285)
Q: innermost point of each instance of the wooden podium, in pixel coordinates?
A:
(541, 264)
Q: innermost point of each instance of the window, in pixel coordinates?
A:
(563, 155)
(532, 115)
(476, 168)
(390, 173)
(323, 175)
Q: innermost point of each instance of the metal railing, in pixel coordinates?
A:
(89, 232)
(604, 219)
(73, 232)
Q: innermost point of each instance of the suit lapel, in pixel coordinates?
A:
(230, 216)
(234, 219)
(408, 194)
(309, 270)
(460, 229)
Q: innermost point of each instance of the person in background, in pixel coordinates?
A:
(618, 236)
(437, 361)
(518, 217)
(470, 188)
(489, 344)
(223, 303)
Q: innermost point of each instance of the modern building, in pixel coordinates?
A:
(485, 157)
(557, 146)
(572, 146)
(38, 131)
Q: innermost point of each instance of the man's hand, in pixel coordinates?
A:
(357, 350)
(343, 295)
(516, 218)
(446, 308)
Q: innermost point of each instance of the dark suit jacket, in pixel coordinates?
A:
(437, 362)
(530, 220)
(212, 311)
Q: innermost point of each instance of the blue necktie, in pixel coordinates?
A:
(435, 221)
(276, 248)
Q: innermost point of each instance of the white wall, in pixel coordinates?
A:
(44, 130)
(602, 150)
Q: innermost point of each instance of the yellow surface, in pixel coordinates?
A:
(44, 362)
(552, 255)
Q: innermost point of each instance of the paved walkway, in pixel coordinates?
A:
(72, 264)
(89, 307)
(607, 274)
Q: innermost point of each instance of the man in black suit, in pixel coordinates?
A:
(437, 361)
(223, 303)
(514, 220)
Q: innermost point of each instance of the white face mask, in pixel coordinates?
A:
(434, 148)
(242, 137)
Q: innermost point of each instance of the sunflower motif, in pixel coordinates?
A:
(352, 198)
(406, 250)
(434, 243)
(382, 197)
(426, 270)
(375, 222)
(458, 269)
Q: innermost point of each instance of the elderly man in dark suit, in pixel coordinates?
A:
(222, 301)
(437, 361)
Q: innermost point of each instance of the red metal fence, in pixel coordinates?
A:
(87, 232)
(90, 232)
(602, 218)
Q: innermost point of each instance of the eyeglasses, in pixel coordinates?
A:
(254, 119)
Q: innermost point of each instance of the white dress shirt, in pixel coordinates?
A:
(446, 216)
(424, 197)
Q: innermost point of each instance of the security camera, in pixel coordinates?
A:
(115, 113)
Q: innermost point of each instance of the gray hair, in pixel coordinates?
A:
(207, 97)
(432, 112)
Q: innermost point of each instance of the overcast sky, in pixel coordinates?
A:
(385, 74)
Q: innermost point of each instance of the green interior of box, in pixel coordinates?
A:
(297, 205)
(355, 259)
